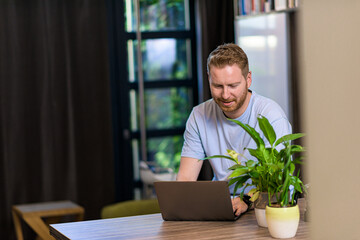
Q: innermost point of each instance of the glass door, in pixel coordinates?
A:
(169, 81)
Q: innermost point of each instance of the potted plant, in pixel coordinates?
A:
(283, 215)
(269, 173)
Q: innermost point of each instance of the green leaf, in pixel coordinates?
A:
(254, 174)
(257, 153)
(255, 196)
(250, 163)
(234, 180)
(251, 131)
(243, 190)
(252, 191)
(238, 172)
(289, 137)
(298, 160)
(292, 168)
(218, 156)
(267, 129)
(262, 154)
(235, 167)
(241, 180)
(237, 185)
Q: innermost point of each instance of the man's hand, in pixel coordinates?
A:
(239, 206)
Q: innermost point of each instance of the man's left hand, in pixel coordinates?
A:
(239, 206)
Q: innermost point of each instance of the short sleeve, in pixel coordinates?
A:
(193, 146)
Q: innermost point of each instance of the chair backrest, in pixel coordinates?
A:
(130, 208)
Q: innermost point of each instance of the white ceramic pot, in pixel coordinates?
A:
(260, 217)
(259, 206)
(282, 222)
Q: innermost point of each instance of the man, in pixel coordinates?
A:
(209, 132)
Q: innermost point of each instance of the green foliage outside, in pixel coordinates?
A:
(166, 151)
(157, 15)
(165, 108)
(153, 70)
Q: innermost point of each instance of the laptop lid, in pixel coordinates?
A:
(197, 200)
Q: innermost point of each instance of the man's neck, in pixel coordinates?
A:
(242, 109)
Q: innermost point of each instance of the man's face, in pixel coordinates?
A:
(229, 89)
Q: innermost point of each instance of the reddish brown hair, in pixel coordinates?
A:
(228, 54)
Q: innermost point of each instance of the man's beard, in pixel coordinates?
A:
(238, 103)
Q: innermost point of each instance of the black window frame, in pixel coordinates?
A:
(121, 87)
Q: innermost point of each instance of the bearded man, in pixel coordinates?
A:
(209, 132)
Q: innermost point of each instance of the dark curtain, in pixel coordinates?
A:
(55, 121)
(294, 91)
(216, 26)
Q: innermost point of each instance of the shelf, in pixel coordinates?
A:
(288, 10)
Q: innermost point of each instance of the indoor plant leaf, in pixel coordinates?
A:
(255, 196)
(238, 172)
(241, 180)
(251, 131)
(250, 163)
(219, 156)
(236, 166)
(289, 137)
(236, 179)
(267, 129)
(257, 153)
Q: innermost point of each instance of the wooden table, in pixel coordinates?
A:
(153, 227)
(38, 215)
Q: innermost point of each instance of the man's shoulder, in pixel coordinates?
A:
(205, 107)
(206, 113)
(267, 107)
(262, 100)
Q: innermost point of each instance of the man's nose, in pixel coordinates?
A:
(225, 93)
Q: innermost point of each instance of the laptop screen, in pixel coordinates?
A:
(196, 200)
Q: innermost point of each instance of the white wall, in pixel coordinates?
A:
(330, 90)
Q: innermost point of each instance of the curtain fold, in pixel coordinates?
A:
(55, 123)
(216, 28)
(216, 20)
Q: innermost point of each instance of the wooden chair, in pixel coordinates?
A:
(39, 215)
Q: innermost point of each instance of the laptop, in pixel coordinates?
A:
(195, 201)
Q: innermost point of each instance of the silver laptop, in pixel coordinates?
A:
(195, 201)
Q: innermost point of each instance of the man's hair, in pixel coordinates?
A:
(228, 54)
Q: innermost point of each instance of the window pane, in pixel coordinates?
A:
(165, 108)
(158, 15)
(165, 151)
(163, 59)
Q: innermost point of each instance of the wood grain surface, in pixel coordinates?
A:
(153, 227)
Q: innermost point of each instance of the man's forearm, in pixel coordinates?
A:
(189, 169)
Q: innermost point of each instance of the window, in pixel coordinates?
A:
(170, 79)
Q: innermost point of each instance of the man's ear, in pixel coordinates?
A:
(249, 79)
(209, 78)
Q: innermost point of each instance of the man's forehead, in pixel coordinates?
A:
(222, 66)
(231, 69)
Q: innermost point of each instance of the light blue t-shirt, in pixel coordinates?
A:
(208, 132)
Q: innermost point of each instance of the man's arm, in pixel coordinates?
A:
(189, 169)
